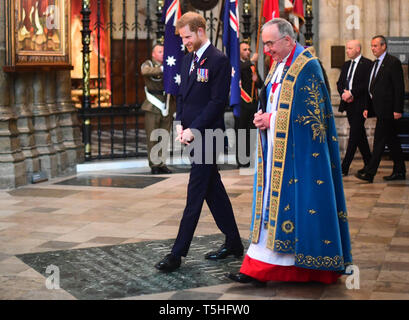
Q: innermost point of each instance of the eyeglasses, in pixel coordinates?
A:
(272, 43)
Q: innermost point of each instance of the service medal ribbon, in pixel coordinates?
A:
(202, 75)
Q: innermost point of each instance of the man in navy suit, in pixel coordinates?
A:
(352, 87)
(203, 95)
(387, 91)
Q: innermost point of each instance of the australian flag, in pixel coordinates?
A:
(173, 47)
(231, 38)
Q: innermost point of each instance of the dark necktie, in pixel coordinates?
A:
(351, 70)
(195, 60)
(373, 75)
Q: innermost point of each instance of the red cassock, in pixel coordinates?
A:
(269, 272)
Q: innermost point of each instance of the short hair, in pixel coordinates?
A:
(358, 43)
(285, 28)
(382, 38)
(193, 20)
(156, 45)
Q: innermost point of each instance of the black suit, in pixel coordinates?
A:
(354, 110)
(200, 106)
(388, 94)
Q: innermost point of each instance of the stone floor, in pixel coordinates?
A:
(60, 216)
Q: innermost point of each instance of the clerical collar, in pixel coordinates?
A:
(288, 59)
(202, 49)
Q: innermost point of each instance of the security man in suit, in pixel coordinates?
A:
(353, 90)
(158, 109)
(387, 92)
(203, 95)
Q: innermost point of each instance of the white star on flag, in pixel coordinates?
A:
(233, 72)
(171, 61)
(177, 79)
(182, 47)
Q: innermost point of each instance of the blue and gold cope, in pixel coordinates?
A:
(306, 213)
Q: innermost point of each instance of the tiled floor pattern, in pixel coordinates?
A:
(125, 270)
(50, 216)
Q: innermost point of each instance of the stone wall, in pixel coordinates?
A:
(39, 128)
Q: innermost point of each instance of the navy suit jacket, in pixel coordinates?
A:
(389, 88)
(359, 86)
(200, 105)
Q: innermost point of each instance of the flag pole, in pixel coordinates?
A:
(257, 42)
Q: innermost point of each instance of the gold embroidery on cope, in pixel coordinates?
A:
(287, 226)
(285, 246)
(291, 181)
(319, 262)
(342, 216)
(317, 117)
(279, 151)
(280, 144)
(259, 194)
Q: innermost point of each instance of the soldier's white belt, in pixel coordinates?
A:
(162, 106)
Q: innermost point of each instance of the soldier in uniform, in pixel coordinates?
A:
(248, 105)
(158, 109)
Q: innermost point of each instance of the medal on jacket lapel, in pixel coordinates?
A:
(202, 75)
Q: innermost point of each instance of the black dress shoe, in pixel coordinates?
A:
(164, 169)
(344, 173)
(395, 176)
(156, 170)
(365, 176)
(224, 252)
(361, 171)
(169, 263)
(243, 278)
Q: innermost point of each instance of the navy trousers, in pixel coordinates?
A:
(205, 184)
(385, 134)
(357, 139)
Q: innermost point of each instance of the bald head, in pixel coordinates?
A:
(353, 49)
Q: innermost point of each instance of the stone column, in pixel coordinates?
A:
(359, 33)
(404, 31)
(404, 18)
(25, 123)
(394, 18)
(382, 18)
(41, 122)
(12, 166)
(69, 124)
(55, 129)
(369, 26)
(331, 15)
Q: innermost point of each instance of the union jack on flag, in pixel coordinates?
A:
(231, 41)
(173, 47)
